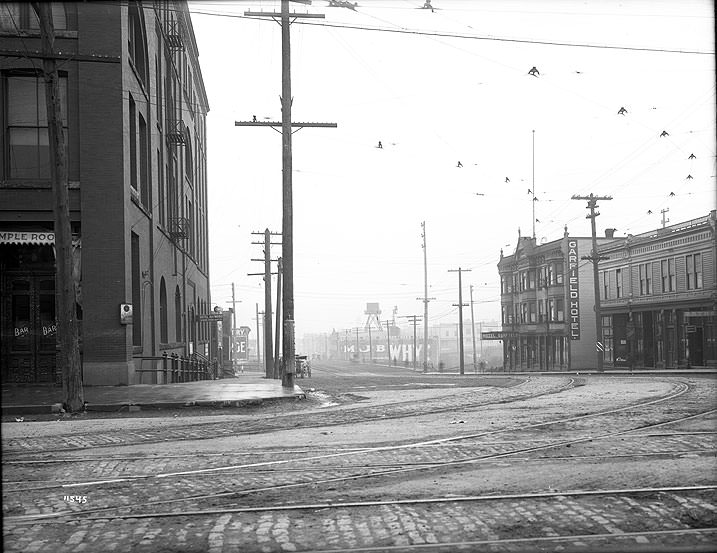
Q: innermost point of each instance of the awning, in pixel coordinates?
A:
(27, 237)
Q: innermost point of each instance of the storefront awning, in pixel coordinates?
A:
(41, 237)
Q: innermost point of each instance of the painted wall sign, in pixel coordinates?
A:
(27, 237)
(573, 290)
(498, 335)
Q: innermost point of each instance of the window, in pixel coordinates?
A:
(645, 272)
(163, 331)
(136, 42)
(21, 15)
(531, 279)
(605, 285)
(132, 144)
(694, 271)
(524, 313)
(618, 283)
(559, 272)
(668, 275)
(136, 293)
(560, 309)
(177, 315)
(144, 164)
(27, 146)
(531, 312)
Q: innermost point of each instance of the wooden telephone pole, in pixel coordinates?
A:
(286, 125)
(595, 258)
(460, 317)
(68, 356)
(268, 348)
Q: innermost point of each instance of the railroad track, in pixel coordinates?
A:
(454, 452)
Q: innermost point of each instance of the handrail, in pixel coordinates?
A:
(175, 368)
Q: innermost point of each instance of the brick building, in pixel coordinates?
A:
(547, 299)
(134, 116)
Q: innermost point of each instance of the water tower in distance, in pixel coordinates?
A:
(372, 311)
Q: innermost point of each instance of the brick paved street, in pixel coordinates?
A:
(447, 468)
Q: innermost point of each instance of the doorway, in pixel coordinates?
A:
(29, 329)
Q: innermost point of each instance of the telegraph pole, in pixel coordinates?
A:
(425, 298)
(68, 347)
(277, 367)
(258, 334)
(460, 316)
(388, 341)
(287, 253)
(473, 333)
(268, 348)
(595, 258)
(413, 319)
(234, 326)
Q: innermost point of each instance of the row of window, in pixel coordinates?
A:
(532, 279)
(656, 277)
(540, 311)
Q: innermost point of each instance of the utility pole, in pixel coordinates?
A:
(425, 298)
(370, 345)
(595, 258)
(357, 343)
(68, 347)
(664, 221)
(460, 317)
(268, 349)
(234, 326)
(388, 341)
(473, 333)
(413, 319)
(287, 253)
(277, 366)
(535, 199)
(258, 343)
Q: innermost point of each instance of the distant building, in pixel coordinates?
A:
(134, 110)
(658, 295)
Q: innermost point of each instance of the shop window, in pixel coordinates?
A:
(27, 143)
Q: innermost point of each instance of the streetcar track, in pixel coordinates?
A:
(402, 470)
(46, 517)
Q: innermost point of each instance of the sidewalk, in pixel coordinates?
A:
(248, 389)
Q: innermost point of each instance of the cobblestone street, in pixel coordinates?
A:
(559, 463)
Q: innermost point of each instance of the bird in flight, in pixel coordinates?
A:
(622, 111)
(534, 72)
(379, 144)
(692, 156)
(689, 177)
(672, 193)
(459, 164)
(649, 212)
(664, 133)
(507, 179)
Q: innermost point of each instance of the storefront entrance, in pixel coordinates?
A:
(29, 329)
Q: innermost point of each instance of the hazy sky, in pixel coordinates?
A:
(437, 88)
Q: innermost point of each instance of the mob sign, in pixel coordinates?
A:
(573, 290)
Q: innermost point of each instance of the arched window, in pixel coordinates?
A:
(163, 330)
(177, 315)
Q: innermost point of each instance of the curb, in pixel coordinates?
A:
(133, 407)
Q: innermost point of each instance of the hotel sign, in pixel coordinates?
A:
(498, 335)
(573, 290)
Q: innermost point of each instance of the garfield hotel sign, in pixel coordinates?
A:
(573, 290)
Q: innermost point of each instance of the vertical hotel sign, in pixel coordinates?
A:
(573, 290)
